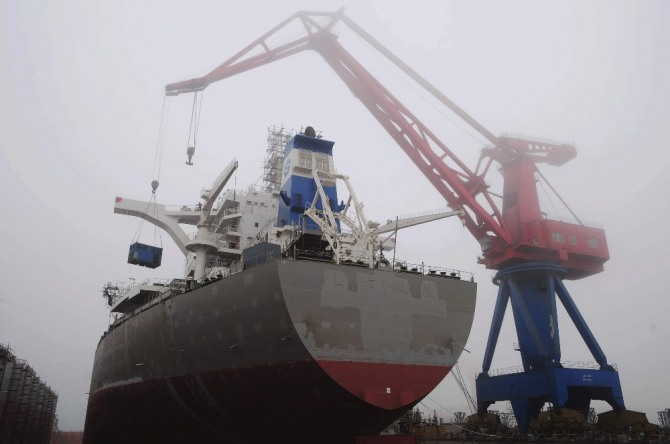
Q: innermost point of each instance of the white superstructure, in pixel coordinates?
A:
(229, 222)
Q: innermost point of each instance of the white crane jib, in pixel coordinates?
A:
(418, 219)
(203, 242)
(159, 216)
(363, 239)
(169, 220)
(210, 194)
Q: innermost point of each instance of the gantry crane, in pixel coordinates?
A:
(532, 253)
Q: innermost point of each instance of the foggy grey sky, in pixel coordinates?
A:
(82, 89)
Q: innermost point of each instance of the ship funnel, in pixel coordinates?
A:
(310, 132)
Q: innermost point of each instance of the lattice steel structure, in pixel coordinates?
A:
(664, 419)
(274, 158)
(27, 404)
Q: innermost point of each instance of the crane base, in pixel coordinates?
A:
(573, 388)
(532, 289)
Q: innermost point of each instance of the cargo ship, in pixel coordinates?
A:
(293, 322)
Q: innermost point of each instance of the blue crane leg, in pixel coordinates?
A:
(496, 324)
(533, 352)
(532, 289)
(580, 323)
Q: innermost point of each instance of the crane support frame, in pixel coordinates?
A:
(532, 289)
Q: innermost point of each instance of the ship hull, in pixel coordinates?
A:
(305, 351)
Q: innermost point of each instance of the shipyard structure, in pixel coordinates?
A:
(27, 404)
(316, 326)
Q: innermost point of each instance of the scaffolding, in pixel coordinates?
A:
(664, 419)
(274, 158)
(27, 404)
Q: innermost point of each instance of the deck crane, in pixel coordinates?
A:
(532, 253)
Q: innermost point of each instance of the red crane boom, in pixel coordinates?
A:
(519, 232)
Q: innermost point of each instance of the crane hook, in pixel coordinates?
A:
(189, 152)
(154, 186)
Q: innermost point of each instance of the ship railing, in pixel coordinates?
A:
(263, 232)
(178, 208)
(584, 365)
(571, 220)
(564, 364)
(423, 213)
(431, 270)
(231, 210)
(316, 255)
(353, 258)
(135, 309)
(213, 237)
(158, 282)
(220, 238)
(226, 212)
(170, 288)
(217, 272)
(399, 265)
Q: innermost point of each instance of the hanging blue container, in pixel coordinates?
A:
(145, 255)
